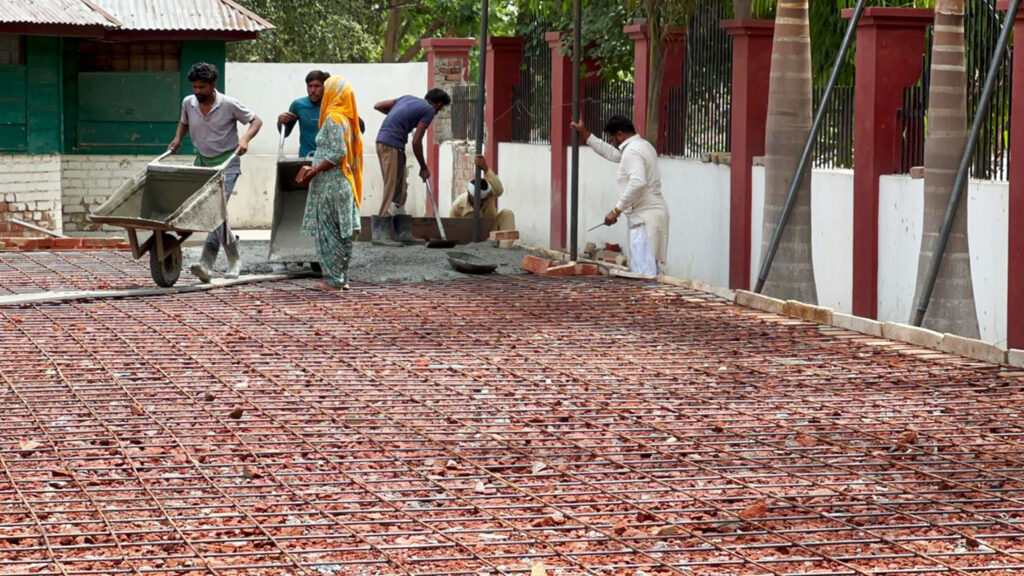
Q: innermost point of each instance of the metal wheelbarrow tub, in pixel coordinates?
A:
(287, 242)
(170, 201)
(470, 264)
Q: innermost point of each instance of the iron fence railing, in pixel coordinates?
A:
(833, 148)
(464, 112)
(531, 106)
(991, 158)
(603, 99)
(698, 118)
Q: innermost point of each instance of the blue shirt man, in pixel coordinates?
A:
(406, 114)
(402, 116)
(306, 113)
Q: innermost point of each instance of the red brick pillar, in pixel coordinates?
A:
(890, 43)
(1015, 264)
(561, 110)
(751, 67)
(447, 66)
(674, 49)
(504, 58)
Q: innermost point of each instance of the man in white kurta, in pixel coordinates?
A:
(640, 196)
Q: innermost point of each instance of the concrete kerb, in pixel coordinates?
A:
(809, 312)
(974, 349)
(912, 335)
(1015, 358)
(759, 302)
(857, 324)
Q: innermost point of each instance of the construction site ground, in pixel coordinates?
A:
(505, 424)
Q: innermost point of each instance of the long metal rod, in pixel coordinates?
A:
(773, 247)
(35, 228)
(574, 178)
(481, 97)
(963, 172)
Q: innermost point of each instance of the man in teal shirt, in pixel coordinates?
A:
(306, 112)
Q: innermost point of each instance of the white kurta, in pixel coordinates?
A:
(640, 196)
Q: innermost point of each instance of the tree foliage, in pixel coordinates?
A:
(312, 31)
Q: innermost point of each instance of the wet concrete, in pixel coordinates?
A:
(375, 264)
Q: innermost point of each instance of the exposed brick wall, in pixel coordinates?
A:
(448, 72)
(462, 165)
(30, 190)
(87, 182)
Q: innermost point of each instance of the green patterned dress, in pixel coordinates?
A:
(332, 216)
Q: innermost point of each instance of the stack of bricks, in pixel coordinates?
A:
(87, 182)
(547, 267)
(504, 238)
(30, 191)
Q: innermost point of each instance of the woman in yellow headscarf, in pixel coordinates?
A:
(335, 182)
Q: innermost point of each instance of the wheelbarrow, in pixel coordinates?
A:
(287, 242)
(170, 202)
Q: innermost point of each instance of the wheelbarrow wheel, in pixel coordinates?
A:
(165, 272)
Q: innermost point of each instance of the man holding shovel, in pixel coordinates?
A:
(640, 196)
(403, 115)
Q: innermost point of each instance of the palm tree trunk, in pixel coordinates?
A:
(952, 307)
(789, 122)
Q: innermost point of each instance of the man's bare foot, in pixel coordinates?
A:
(325, 287)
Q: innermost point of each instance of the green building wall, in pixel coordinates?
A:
(47, 106)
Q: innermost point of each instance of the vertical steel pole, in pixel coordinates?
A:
(481, 96)
(574, 181)
(801, 166)
(963, 172)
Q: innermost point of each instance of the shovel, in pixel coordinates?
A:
(444, 242)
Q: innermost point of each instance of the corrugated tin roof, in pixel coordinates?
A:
(197, 15)
(60, 12)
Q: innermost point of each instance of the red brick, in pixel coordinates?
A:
(535, 264)
(67, 243)
(563, 270)
(94, 242)
(586, 269)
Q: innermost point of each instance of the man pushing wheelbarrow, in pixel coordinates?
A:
(211, 121)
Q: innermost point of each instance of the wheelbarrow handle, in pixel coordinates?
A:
(280, 142)
(161, 157)
(225, 163)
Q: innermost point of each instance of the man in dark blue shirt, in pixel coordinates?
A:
(404, 115)
(305, 112)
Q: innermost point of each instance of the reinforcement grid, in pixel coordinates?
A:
(42, 271)
(506, 426)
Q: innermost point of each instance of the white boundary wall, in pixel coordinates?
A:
(268, 89)
(900, 224)
(832, 226)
